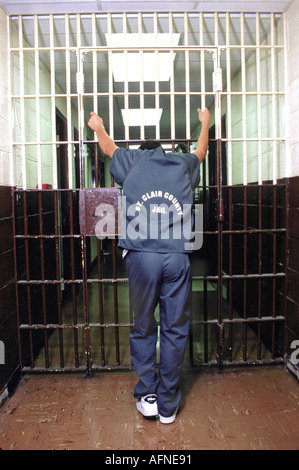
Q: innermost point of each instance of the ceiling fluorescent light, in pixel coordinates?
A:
(135, 117)
(147, 66)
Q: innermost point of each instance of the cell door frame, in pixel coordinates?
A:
(217, 89)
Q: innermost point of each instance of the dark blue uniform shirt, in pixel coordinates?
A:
(157, 198)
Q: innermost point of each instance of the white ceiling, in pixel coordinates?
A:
(13, 7)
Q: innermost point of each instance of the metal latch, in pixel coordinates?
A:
(80, 82)
(217, 80)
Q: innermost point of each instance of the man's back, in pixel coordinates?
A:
(158, 189)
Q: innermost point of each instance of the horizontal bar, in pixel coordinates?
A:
(191, 48)
(252, 231)
(250, 185)
(248, 139)
(52, 326)
(67, 369)
(49, 237)
(71, 281)
(146, 93)
(239, 276)
(278, 318)
(225, 232)
(135, 49)
(256, 362)
(125, 280)
(253, 276)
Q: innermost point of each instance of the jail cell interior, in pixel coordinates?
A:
(146, 74)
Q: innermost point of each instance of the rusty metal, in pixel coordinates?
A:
(99, 204)
(225, 277)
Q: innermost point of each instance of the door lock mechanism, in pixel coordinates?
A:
(217, 80)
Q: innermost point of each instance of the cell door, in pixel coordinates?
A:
(146, 74)
(149, 92)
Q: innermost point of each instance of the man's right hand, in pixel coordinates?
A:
(204, 116)
(95, 122)
(105, 142)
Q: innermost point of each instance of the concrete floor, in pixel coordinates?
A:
(245, 408)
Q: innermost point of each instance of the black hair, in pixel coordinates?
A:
(149, 144)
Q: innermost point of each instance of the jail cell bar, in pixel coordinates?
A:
(80, 324)
(88, 321)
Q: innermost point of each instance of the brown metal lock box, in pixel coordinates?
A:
(99, 212)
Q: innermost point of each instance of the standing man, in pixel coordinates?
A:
(158, 189)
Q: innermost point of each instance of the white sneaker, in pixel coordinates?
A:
(147, 406)
(169, 419)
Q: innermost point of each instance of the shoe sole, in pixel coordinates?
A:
(145, 414)
(169, 419)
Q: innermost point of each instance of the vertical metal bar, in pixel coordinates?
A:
(96, 165)
(220, 257)
(205, 282)
(274, 100)
(73, 276)
(68, 104)
(172, 97)
(101, 310)
(94, 64)
(286, 262)
(115, 299)
(287, 101)
(80, 119)
(141, 82)
(260, 273)
(126, 80)
(157, 85)
(9, 87)
(95, 95)
(58, 278)
(220, 216)
(244, 110)
(37, 103)
(230, 270)
(205, 317)
(229, 103)
(78, 24)
(187, 78)
(43, 287)
(110, 84)
(22, 105)
(202, 63)
(218, 129)
(274, 267)
(216, 29)
(188, 123)
(245, 274)
(87, 337)
(27, 271)
(53, 106)
(259, 104)
(14, 223)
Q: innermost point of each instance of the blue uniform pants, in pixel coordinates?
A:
(164, 279)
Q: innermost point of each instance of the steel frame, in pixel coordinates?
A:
(225, 227)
